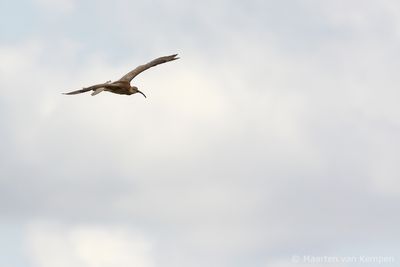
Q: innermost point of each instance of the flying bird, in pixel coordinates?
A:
(123, 86)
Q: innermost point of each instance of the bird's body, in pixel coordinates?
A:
(123, 86)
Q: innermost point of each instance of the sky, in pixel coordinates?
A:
(271, 142)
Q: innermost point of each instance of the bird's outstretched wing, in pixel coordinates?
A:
(132, 74)
(93, 87)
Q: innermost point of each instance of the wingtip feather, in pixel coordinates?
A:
(173, 57)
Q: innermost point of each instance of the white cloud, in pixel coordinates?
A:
(18, 60)
(52, 244)
(56, 6)
(244, 152)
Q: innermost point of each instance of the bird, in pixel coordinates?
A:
(123, 85)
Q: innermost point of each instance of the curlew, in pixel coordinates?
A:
(123, 85)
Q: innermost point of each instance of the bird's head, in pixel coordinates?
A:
(134, 90)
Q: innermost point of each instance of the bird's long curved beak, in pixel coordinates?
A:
(142, 93)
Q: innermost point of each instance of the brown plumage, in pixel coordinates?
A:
(123, 86)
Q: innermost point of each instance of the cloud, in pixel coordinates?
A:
(51, 244)
(256, 145)
(56, 6)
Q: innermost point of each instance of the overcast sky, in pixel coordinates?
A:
(273, 138)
